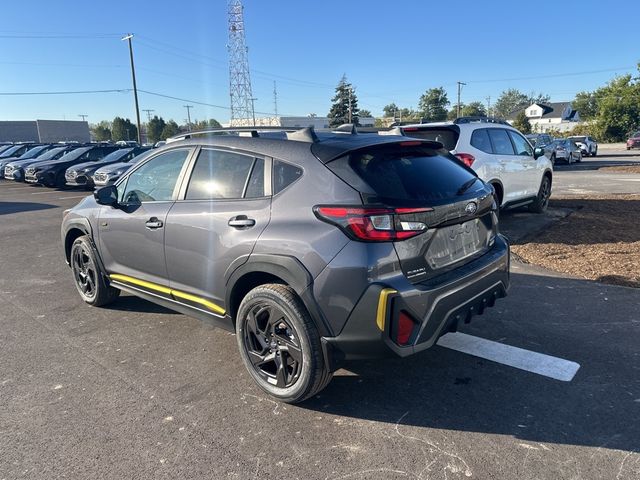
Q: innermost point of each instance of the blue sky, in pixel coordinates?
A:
(390, 51)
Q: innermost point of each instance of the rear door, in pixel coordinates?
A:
(223, 208)
(511, 168)
(131, 236)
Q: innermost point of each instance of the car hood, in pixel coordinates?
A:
(113, 167)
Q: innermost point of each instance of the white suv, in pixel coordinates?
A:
(499, 154)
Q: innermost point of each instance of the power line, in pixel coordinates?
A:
(75, 92)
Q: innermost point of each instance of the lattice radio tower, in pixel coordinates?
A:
(239, 77)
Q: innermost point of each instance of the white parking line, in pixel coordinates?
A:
(43, 193)
(546, 365)
(75, 196)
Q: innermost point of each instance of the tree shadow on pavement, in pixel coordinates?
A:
(586, 322)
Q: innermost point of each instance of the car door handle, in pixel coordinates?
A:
(153, 223)
(241, 221)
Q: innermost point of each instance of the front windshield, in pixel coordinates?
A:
(118, 154)
(10, 151)
(52, 153)
(32, 152)
(77, 153)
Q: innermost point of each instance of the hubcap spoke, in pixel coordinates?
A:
(281, 373)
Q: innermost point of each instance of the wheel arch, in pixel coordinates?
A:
(260, 269)
(499, 189)
(75, 229)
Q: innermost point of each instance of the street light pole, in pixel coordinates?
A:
(135, 88)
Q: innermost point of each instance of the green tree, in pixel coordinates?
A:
(154, 128)
(618, 105)
(345, 104)
(364, 114)
(390, 110)
(521, 122)
(205, 124)
(170, 129)
(123, 129)
(474, 109)
(101, 131)
(586, 105)
(433, 105)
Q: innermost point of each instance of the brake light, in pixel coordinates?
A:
(372, 224)
(466, 158)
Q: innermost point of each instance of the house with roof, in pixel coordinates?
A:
(549, 116)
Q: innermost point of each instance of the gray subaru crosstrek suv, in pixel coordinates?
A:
(314, 248)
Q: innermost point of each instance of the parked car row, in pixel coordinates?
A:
(60, 164)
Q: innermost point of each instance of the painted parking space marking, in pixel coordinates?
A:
(75, 196)
(43, 193)
(546, 365)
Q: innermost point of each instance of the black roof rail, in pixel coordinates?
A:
(254, 131)
(479, 119)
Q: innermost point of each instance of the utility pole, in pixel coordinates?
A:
(149, 111)
(135, 88)
(489, 106)
(350, 116)
(460, 84)
(253, 110)
(188, 107)
(275, 98)
(84, 117)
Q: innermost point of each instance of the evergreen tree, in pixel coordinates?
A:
(345, 104)
(154, 128)
(433, 105)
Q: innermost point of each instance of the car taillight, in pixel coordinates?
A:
(466, 158)
(374, 224)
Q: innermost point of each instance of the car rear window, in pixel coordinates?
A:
(395, 172)
(446, 136)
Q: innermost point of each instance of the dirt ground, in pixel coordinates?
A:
(600, 240)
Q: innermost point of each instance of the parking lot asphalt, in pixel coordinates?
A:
(587, 177)
(137, 391)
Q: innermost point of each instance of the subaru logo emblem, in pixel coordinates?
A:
(471, 208)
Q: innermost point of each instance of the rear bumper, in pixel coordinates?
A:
(436, 307)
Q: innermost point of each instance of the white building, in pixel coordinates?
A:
(549, 116)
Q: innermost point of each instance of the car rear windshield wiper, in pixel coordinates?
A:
(466, 186)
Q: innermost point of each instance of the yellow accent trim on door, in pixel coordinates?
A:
(141, 283)
(192, 298)
(168, 291)
(381, 315)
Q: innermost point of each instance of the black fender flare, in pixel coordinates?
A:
(290, 270)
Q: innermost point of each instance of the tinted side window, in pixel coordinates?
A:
(155, 180)
(480, 140)
(522, 146)
(219, 174)
(255, 187)
(284, 174)
(500, 140)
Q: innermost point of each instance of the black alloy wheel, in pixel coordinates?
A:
(84, 272)
(280, 345)
(541, 202)
(90, 281)
(272, 345)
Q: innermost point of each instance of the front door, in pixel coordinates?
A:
(131, 235)
(223, 209)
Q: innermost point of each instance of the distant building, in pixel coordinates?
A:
(318, 123)
(549, 116)
(44, 131)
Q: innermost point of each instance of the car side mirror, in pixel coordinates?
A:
(107, 196)
(538, 152)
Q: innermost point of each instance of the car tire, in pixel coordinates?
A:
(595, 152)
(280, 345)
(88, 276)
(553, 159)
(579, 158)
(540, 204)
